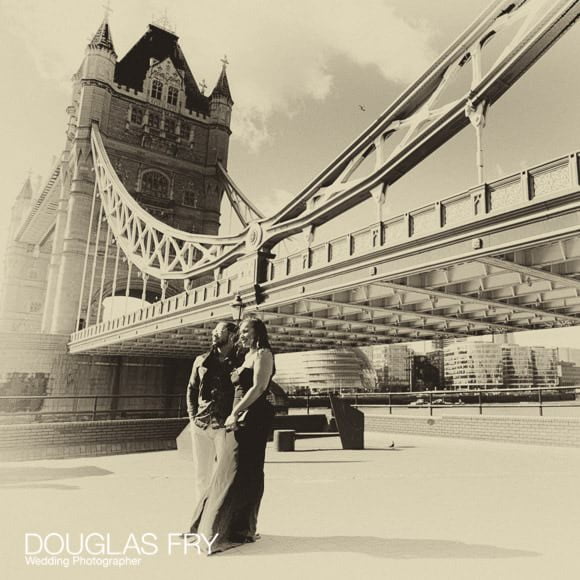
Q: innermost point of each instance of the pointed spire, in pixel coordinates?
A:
(103, 38)
(222, 87)
(26, 191)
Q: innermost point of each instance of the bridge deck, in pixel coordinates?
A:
(429, 508)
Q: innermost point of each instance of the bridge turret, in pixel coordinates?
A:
(100, 55)
(221, 104)
(221, 101)
(91, 101)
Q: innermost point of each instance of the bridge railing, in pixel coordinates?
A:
(525, 188)
(30, 408)
(198, 296)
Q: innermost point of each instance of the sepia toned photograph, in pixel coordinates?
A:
(290, 290)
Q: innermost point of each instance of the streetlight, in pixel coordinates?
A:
(238, 307)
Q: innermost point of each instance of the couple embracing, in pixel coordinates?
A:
(231, 419)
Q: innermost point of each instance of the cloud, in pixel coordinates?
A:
(275, 200)
(280, 52)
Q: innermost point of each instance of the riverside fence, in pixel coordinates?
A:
(35, 408)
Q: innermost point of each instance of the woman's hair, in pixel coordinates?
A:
(260, 332)
(231, 327)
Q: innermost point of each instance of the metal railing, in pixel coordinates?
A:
(554, 178)
(480, 399)
(34, 408)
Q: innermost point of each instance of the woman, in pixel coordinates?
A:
(251, 419)
(231, 506)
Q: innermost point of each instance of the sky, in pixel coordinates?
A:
(298, 73)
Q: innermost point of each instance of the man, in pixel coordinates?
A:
(210, 396)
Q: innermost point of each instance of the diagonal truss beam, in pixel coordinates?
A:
(238, 200)
(433, 318)
(531, 272)
(428, 123)
(418, 115)
(531, 312)
(399, 331)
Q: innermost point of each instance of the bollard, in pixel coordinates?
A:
(284, 439)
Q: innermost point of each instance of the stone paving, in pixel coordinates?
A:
(426, 509)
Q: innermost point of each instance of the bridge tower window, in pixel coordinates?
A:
(154, 120)
(156, 89)
(172, 94)
(137, 116)
(170, 126)
(155, 183)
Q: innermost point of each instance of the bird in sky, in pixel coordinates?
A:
(362, 107)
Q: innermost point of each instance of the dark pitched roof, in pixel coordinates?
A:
(103, 38)
(222, 86)
(159, 44)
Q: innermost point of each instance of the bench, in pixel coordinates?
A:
(349, 422)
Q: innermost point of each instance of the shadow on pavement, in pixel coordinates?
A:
(26, 474)
(323, 462)
(51, 486)
(388, 548)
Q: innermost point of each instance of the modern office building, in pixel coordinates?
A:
(484, 365)
(323, 371)
(473, 365)
(428, 371)
(518, 366)
(392, 365)
(568, 374)
(570, 355)
(545, 366)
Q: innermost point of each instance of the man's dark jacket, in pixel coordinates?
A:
(210, 387)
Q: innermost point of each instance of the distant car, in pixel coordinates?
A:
(417, 403)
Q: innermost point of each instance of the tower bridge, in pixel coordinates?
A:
(463, 272)
(132, 208)
(497, 258)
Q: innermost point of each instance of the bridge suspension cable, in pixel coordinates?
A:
(154, 247)
(245, 210)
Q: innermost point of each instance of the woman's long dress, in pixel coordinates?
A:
(236, 516)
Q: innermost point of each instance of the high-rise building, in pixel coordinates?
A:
(518, 366)
(545, 366)
(392, 364)
(473, 365)
(427, 372)
(568, 374)
(484, 365)
(571, 355)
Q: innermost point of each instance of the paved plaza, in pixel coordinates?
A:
(427, 508)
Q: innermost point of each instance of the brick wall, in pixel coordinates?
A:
(528, 430)
(87, 439)
(30, 352)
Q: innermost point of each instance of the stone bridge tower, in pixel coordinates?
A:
(164, 137)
